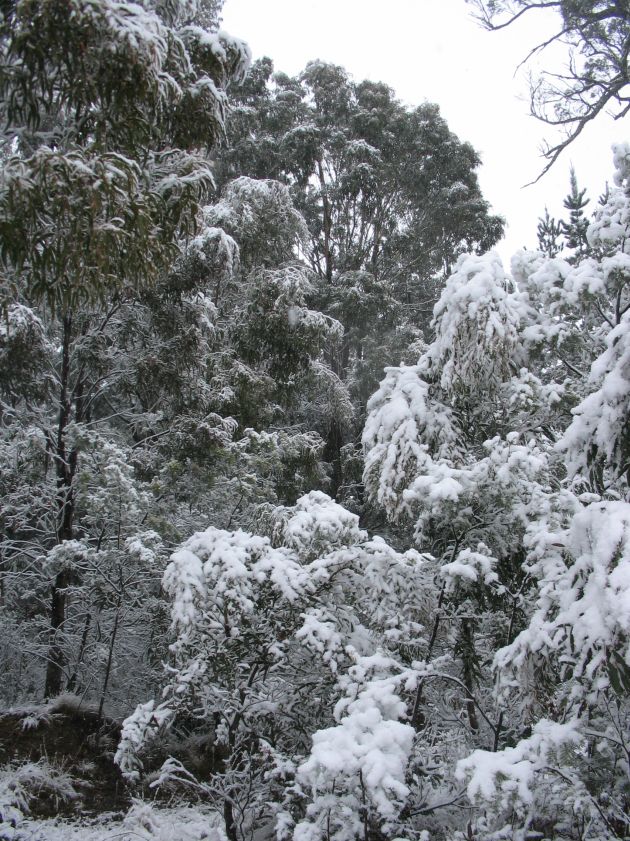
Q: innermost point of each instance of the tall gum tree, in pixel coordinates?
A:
(390, 197)
(108, 108)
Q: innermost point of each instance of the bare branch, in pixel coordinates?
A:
(485, 16)
(597, 65)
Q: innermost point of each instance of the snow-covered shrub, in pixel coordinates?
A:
(355, 774)
(274, 641)
(476, 323)
(34, 786)
(151, 823)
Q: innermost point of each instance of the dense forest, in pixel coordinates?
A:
(314, 516)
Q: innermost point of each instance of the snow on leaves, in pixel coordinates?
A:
(510, 774)
(581, 620)
(250, 613)
(514, 476)
(370, 744)
(476, 323)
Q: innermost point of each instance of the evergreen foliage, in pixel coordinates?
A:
(442, 650)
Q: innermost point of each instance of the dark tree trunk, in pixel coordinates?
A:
(66, 465)
(332, 454)
(468, 662)
(72, 683)
(110, 656)
(56, 654)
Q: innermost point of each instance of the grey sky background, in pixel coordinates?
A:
(433, 50)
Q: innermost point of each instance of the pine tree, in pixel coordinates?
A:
(575, 229)
(549, 231)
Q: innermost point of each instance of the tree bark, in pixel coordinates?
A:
(468, 648)
(327, 224)
(66, 464)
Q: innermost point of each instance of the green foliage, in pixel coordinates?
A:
(549, 232)
(75, 226)
(382, 188)
(575, 229)
(105, 107)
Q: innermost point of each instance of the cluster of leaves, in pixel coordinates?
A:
(389, 196)
(172, 368)
(478, 687)
(105, 107)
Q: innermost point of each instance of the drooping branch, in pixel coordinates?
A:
(597, 74)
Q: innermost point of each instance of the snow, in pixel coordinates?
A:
(403, 425)
(471, 566)
(510, 774)
(318, 524)
(599, 422)
(21, 784)
(317, 587)
(367, 752)
(476, 320)
(583, 607)
(143, 821)
(139, 728)
(21, 321)
(319, 632)
(218, 252)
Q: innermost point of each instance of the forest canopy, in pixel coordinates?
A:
(314, 515)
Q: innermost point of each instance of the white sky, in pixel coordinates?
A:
(433, 50)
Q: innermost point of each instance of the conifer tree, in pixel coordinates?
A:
(549, 232)
(575, 229)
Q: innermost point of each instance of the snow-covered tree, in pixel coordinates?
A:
(390, 198)
(509, 460)
(106, 108)
(280, 639)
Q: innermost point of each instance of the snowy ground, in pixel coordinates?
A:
(143, 822)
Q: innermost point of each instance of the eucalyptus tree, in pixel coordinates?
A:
(390, 198)
(384, 189)
(107, 111)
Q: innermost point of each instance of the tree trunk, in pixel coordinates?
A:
(326, 224)
(110, 656)
(418, 718)
(72, 683)
(468, 662)
(66, 464)
(332, 454)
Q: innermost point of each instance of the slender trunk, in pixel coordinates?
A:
(3, 594)
(110, 657)
(332, 454)
(376, 249)
(327, 224)
(365, 818)
(66, 464)
(228, 805)
(56, 655)
(228, 818)
(418, 719)
(72, 683)
(510, 634)
(468, 656)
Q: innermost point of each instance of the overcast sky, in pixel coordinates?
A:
(433, 50)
